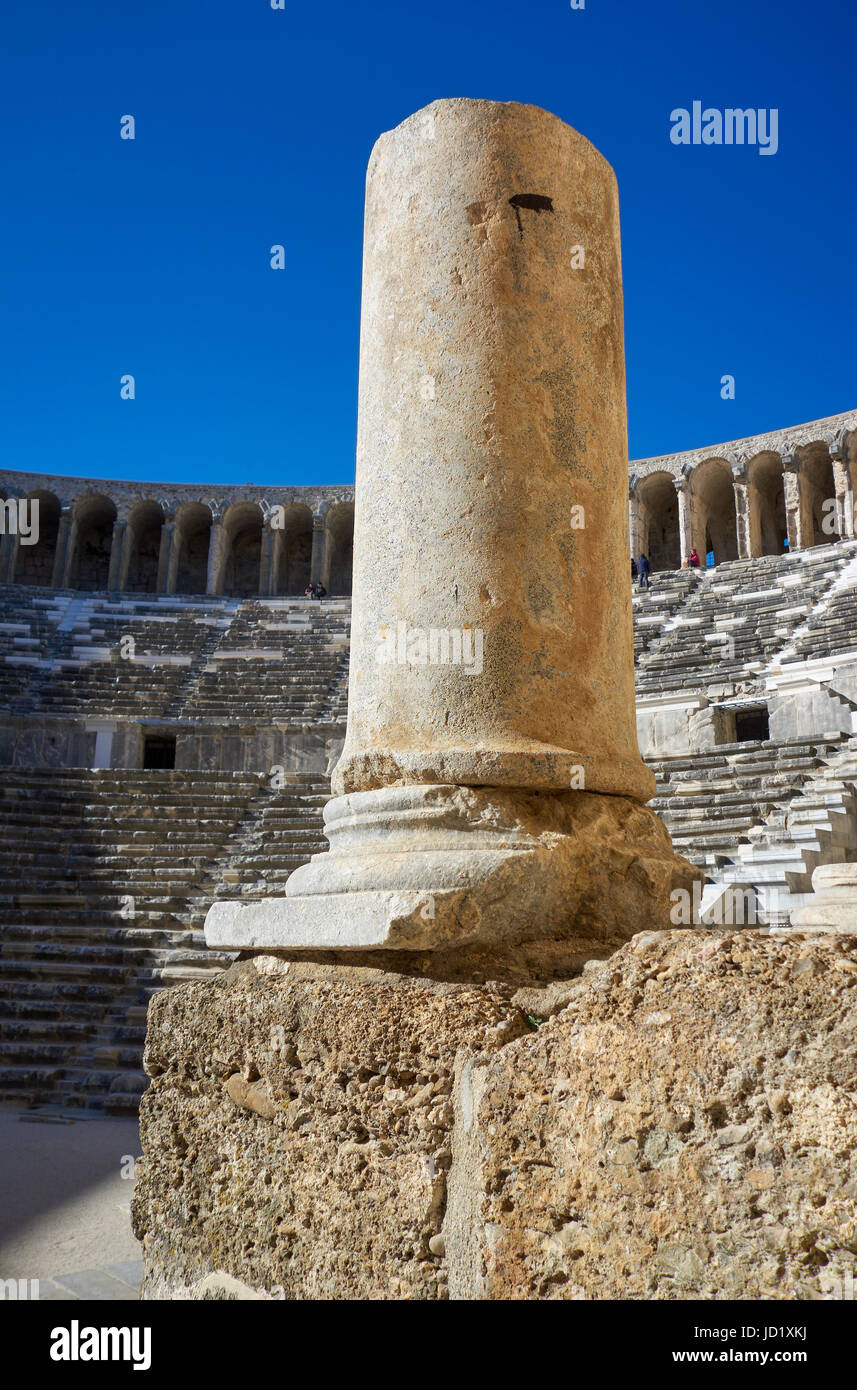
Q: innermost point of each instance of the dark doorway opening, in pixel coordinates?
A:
(159, 751)
(751, 726)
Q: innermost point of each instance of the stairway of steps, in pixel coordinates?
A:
(760, 815)
(185, 689)
(216, 659)
(818, 826)
(279, 661)
(737, 619)
(100, 871)
(830, 628)
(283, 829)
(655, 607)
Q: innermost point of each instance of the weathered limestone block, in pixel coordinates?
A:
(678, 1121)
(833, 905)
(296, 1132)
(686, 1128)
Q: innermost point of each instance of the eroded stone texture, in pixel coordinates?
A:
(492, 404)
(685, 1128)
(677, 1122)
(296, 1132)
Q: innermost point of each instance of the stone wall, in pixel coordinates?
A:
(784, 490)
(678, 1121)
(186, 538)
(29, 741)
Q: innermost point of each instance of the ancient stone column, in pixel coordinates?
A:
(216, 547)
(635, 520)
(685, 517)
(319, 548)
(266, 559)
(842, 486)
(490, 788)
(795, 504)
(742, 510)
(129, 541)
(116, 544)
(70, 554)
(63, 533)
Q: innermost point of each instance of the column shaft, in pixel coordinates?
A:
(214, 580)
(685, 518)
(117, 541)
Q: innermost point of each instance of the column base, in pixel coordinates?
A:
(833, 906)
(442, 867)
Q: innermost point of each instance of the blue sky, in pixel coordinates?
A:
(254, 127)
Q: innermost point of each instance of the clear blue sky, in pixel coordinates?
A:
(254, 127)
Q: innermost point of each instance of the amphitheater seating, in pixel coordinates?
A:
(832, 629)
(30, 620)
(107, 875)
(106, 879)
(124, 657)
(279, 660)
(224, 660)
(711, 800)
(654, 607)
(736, 619)
(762, 816)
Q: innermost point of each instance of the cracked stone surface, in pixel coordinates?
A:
(678, 1121)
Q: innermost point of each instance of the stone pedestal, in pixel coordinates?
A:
(833, 907)
(333, 1132)
(490, 786)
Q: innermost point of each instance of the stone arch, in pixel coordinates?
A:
(658, 502)
(713, 511)
(143, 542)
(768, 526)
(340, 540)
(295, 561)
(242, 530)
(35, 563)
(193, 538)
(94, 517)
(818, 503)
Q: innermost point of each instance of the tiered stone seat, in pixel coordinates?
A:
(740, 615)
(832, 629)
(204, 659)
(30, 618)
(284, 832)
(655, 606)
(711, 800)
(759, 814)
(280, 660)
(106, 879)
(97, 670)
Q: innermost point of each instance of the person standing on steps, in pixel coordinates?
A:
(644, 569)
